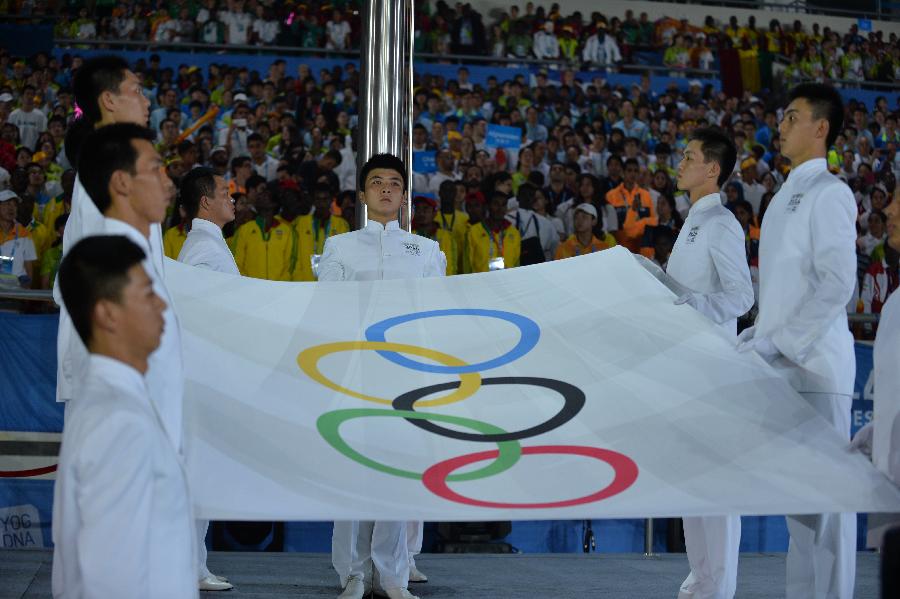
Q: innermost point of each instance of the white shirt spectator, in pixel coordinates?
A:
(605, 52)
(545, 45)
(268, 169)
(167, 31)
(266, 31)
(237, 26)
(31, 124)
(123, 27)
(336, 35)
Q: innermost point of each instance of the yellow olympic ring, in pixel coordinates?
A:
(308, 360)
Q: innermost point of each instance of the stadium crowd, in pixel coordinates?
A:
(595, 167)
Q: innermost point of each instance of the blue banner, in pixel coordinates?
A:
(865, 24)
(499, 136)
(424, 162)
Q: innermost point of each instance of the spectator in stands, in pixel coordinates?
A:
(546, 44)
(583, 240)
(337, 32)
(876, 234)
(265, 248)
(263, 165)
(313, 230)
(17, 250)
(28, 118)
(634, 208)
(493, 244)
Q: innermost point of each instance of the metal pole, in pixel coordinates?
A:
(385, 102)
(648, 538)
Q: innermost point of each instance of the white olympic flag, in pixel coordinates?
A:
(568, 390)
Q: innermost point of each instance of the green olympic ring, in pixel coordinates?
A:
(328, 424)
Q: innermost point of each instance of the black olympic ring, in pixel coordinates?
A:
(573, 396)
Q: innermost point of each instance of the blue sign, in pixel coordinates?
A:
(865, 24)
(861, 411)
(424, 162)
(499, 136)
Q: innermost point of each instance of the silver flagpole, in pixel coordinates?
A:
(385, 95)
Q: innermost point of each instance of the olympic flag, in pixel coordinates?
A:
(568, 390)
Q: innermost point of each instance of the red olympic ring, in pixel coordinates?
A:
(27, 473)
(626, 472)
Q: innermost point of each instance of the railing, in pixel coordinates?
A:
(883, 11)
(784, 61)
(354, 54)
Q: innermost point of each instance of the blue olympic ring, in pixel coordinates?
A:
(529, 330)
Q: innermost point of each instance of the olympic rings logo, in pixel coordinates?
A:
(508, 451)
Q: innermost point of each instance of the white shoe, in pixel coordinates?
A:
(211, 583)
(399, 593)
(355, 589)
(415, 575)
(219, 578)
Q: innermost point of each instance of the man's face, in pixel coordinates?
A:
(8, 210)
(631, 174)
(138, 315)
(36, 176)
(584, 222)
(892, 211)
(384, 193)
(220, 205)
(322, 201)
(129, 105)
(497, 208)
(445, 160)
(149, 188)
(614, 169)
(474, 208)
(799, 128)
(423, 215)
(257, 150)
(419, 137)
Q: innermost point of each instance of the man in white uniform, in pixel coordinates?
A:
(807, 274)
(881, 438)
(107, 92)
(205, 198)
(382, 250)
(123, 524)
(710, 259)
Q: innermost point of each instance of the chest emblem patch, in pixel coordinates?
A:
(692, 234)
(794, 202)
(412, 249)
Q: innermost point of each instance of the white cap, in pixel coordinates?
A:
(240, 97)
(219, 149)
(695, 83)
(6, 97)
(8, 194)
(588, 208)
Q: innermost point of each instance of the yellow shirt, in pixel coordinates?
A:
(448, 245)
(52, 210)
(265, 254)
(482, 246)
(173, 239)
(311, 236)
(458, 224)
(42, 238)
(571, 247)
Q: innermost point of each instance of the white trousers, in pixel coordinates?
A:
(821, 560)
(202, 527)
(414, 532)
(712, 544)
(358, 546)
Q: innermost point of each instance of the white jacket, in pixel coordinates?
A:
(807, 274)
(545, 45)
(205, 247)
(379, 253)
(84, 220)
(165, 376)
(710, 259)
(122, 519)
(886, 356)
(605, 52)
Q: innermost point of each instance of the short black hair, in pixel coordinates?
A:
(447, 190)
(826, 103)
(716, 146)
(96, 268)
(237, 162)
(199, 182)
(95, 76)
(105, 151)
(385, 161)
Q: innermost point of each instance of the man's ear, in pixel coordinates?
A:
(105, 316)
(107, 101)
(120, 184)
